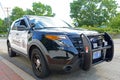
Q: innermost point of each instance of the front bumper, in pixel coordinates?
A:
(63, 65)
(106, 50)
(87, 55)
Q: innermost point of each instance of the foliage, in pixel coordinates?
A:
(37, 9)
(40, 10)
(3, 28)
(102, 30)
(29, 12)
(16, 13)
(92, 12)
(1, 22)
(115, 22)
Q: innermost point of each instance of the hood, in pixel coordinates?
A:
(69, 31)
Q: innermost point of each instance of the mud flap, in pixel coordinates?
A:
(87, 56)
(110, 51)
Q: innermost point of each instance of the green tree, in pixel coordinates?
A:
(115, 22)
(29, 12)
(92, 12)
(41, 9)
(16, 13)
(1, 23)
(37, 9)
(3, 27)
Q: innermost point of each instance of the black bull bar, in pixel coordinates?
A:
(107, 50)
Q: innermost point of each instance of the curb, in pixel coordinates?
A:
(17, 70)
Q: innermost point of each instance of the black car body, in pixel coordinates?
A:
(53, 44)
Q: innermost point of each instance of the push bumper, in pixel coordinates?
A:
(93, 53)
(90, 56)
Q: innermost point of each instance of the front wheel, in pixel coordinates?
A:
(11, 53)
(39, 65)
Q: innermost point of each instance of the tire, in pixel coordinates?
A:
(39, 65)
(87, 61)
(11, 53)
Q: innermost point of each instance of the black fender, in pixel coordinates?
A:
(39, 45)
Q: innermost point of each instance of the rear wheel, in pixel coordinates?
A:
(11, 53)
(39, 65)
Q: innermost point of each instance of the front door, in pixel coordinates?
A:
(19, 38)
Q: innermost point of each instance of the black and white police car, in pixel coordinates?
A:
(52, 44)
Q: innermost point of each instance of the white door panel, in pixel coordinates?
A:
(14, 40)
(23, 41)
(19, 38)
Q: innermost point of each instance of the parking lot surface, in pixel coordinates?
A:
(102, 71)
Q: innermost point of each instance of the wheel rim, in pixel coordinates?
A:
(37, 63)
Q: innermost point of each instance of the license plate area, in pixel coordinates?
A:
(96, 54)
(95, 45)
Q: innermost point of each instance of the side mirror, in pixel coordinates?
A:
(21, 28)
(32, 25)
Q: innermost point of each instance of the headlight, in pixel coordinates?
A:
(55, 37)
(61, 40)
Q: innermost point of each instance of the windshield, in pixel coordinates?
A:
(47, 22)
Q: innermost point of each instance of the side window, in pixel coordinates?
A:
(22, 22)
(16, 24)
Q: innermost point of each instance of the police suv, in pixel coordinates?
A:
(52, 44)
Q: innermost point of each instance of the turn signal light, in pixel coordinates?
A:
(52, 37)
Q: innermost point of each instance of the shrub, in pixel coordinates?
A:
(102, 30)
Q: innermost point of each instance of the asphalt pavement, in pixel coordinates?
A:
(102, 71)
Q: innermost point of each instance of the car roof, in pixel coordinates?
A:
(34, 16)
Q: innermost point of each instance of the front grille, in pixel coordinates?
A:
(77, 42)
